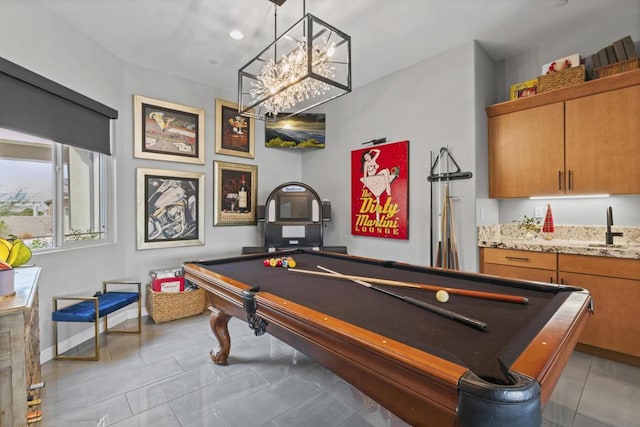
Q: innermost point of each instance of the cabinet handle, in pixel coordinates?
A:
(516, 258)
(560, 180)
(570, 180)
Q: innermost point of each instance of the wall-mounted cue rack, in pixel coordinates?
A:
(446, 254)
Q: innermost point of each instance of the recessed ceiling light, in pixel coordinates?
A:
(236, 35)
(560, 3)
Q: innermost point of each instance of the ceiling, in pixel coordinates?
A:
(189, 38)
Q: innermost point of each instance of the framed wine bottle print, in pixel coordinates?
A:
(235, 187)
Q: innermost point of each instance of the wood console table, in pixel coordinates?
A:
(19, 347)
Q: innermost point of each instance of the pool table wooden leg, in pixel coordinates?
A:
(219, 321)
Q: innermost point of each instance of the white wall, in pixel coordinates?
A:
(622, 19)
(487, 210)
(430, 104)
(36, 39)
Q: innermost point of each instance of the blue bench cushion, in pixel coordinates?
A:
(85, 311)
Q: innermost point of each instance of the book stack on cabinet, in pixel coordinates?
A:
(619, 57)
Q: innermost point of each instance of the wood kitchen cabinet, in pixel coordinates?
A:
(524, 147)
(577, 140)
(614, 284)
(525, 265)
(602, 142)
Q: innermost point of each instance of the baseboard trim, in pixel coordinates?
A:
(608, 354)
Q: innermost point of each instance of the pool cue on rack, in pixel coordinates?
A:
(469, 321)
(445, 247)
(454, 238)
(453, 291)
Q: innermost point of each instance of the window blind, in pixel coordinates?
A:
(34, 104)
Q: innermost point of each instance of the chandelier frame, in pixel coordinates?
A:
(312, 29)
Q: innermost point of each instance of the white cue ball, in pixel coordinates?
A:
(442, 296)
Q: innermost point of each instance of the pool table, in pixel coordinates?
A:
(426, 368)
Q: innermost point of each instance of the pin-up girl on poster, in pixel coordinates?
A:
(376, 180)
(375, 172)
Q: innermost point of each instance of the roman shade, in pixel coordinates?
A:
(36, 105)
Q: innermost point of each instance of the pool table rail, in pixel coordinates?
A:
(548, 353)
(419, 387)
(386, 370)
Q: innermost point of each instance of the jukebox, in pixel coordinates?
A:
(294, 217)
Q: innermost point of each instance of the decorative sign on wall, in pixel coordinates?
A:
(380, 191)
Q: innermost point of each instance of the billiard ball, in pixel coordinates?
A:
(285, 262)
(267, 263)
(279, 262)
(291, 263)
(272, 262)
(442, 296)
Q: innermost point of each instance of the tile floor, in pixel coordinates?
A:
(164, 378)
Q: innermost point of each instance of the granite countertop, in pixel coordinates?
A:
(578, 240)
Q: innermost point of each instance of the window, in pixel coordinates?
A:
(51, 195)
(53, 191)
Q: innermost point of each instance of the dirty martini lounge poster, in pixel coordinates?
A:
(380, 191)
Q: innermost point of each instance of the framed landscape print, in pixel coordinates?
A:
(170, 208)
(234, 133)
(305, 130)
(167, 131)
(235, 189)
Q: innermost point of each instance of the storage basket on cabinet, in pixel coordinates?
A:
(618, 67)
(559, 79)
(166, 306)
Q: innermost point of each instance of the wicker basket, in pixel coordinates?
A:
(559, 79)
(166, 306)
(618, 67)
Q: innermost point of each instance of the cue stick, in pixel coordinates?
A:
(453, 291)
(431, 210)
(454, 240)
(469, 321)
(445, 249)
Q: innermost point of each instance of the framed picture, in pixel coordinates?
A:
(166, 131)
(234, 133)
(380, 191)
(562, 63)
(170, 208)
(234, 199)
(524, 89)
(303, 130)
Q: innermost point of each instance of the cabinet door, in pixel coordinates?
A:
(602, 142)
(614, 324)
(522, 273)
(526, 152)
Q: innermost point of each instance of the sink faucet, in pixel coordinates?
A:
(610, 235)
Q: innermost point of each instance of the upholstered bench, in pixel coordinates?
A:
(91, 309)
